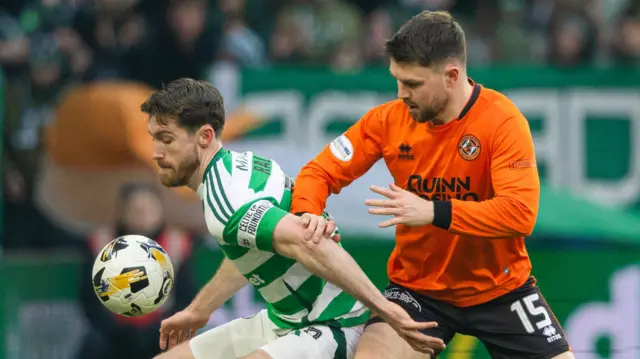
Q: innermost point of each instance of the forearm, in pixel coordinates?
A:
(332, 263)
(225, 283)
(327, 260)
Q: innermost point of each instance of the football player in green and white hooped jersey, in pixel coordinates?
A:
(246, 202)
(238, 193)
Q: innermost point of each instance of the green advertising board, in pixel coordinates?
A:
(584, 121)
(592, 292)
(2, 91)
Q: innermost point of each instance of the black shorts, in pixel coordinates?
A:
(519, 324)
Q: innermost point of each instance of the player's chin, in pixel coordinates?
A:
(170, 180)
(416, 114)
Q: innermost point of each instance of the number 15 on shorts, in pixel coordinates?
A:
(526, 308)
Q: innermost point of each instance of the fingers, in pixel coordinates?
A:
(429, 351)
(337, 238)
(311, 225)
(412, 325)
(306, 220)
(182, 336)
(386, 211)
(395, 188)
(421, 325)
(318, 228)
(423, 343)
(382, 191)
(380, 203)
(391, 222)
(318, 235)
(419, 348)
(170, 337)
(173, 338)
(164, 337)
(331, 227)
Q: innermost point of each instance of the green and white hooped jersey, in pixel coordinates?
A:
(244, 196)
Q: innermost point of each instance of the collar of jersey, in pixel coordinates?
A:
(218, 156)
(472, 100)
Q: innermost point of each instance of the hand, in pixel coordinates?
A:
(181, 326)
(319, 228)
(409, 330)
(405, 207)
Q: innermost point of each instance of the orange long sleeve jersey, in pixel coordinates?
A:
(480, 172)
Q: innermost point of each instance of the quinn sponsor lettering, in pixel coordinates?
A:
(441, 188)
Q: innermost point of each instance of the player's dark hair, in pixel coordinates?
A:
(429, 38)
(190, 102)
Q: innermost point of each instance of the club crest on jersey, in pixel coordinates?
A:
(341, 148)
(469, 147)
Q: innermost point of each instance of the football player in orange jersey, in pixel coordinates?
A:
(466, 194)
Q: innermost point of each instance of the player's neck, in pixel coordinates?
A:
(207, 157)
(458, 101)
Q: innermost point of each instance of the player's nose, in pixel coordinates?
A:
(157, 155)
(403, 93)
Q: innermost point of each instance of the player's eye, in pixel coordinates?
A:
(412, 85)
(166, 140)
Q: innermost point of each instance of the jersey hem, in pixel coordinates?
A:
(482, 298)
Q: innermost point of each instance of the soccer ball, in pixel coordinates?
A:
(132, 275)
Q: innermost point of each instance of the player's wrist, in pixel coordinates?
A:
(200, 310)
(442, 214)
(380, 306)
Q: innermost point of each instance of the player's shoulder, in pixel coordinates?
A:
(242, 164)
(228, 163)
(496, 109)
(390, 113)
(241, 177)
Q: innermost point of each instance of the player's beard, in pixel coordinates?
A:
(431, 112)
(181, 176)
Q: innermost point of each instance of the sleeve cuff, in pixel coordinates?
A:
(442, 212)
(271, 218)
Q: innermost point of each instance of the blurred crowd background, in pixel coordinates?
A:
(76, 163)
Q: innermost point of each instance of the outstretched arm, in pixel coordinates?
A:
(225, 283)
(327, 260)
(261, 225)
(331, 262)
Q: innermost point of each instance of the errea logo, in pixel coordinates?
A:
(551, 333)
(405, 152)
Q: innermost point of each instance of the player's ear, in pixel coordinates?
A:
(452, 74)
(205, 136)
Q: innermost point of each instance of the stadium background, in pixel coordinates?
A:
(295, 74)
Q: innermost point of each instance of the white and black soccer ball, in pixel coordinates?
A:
(132, 275)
